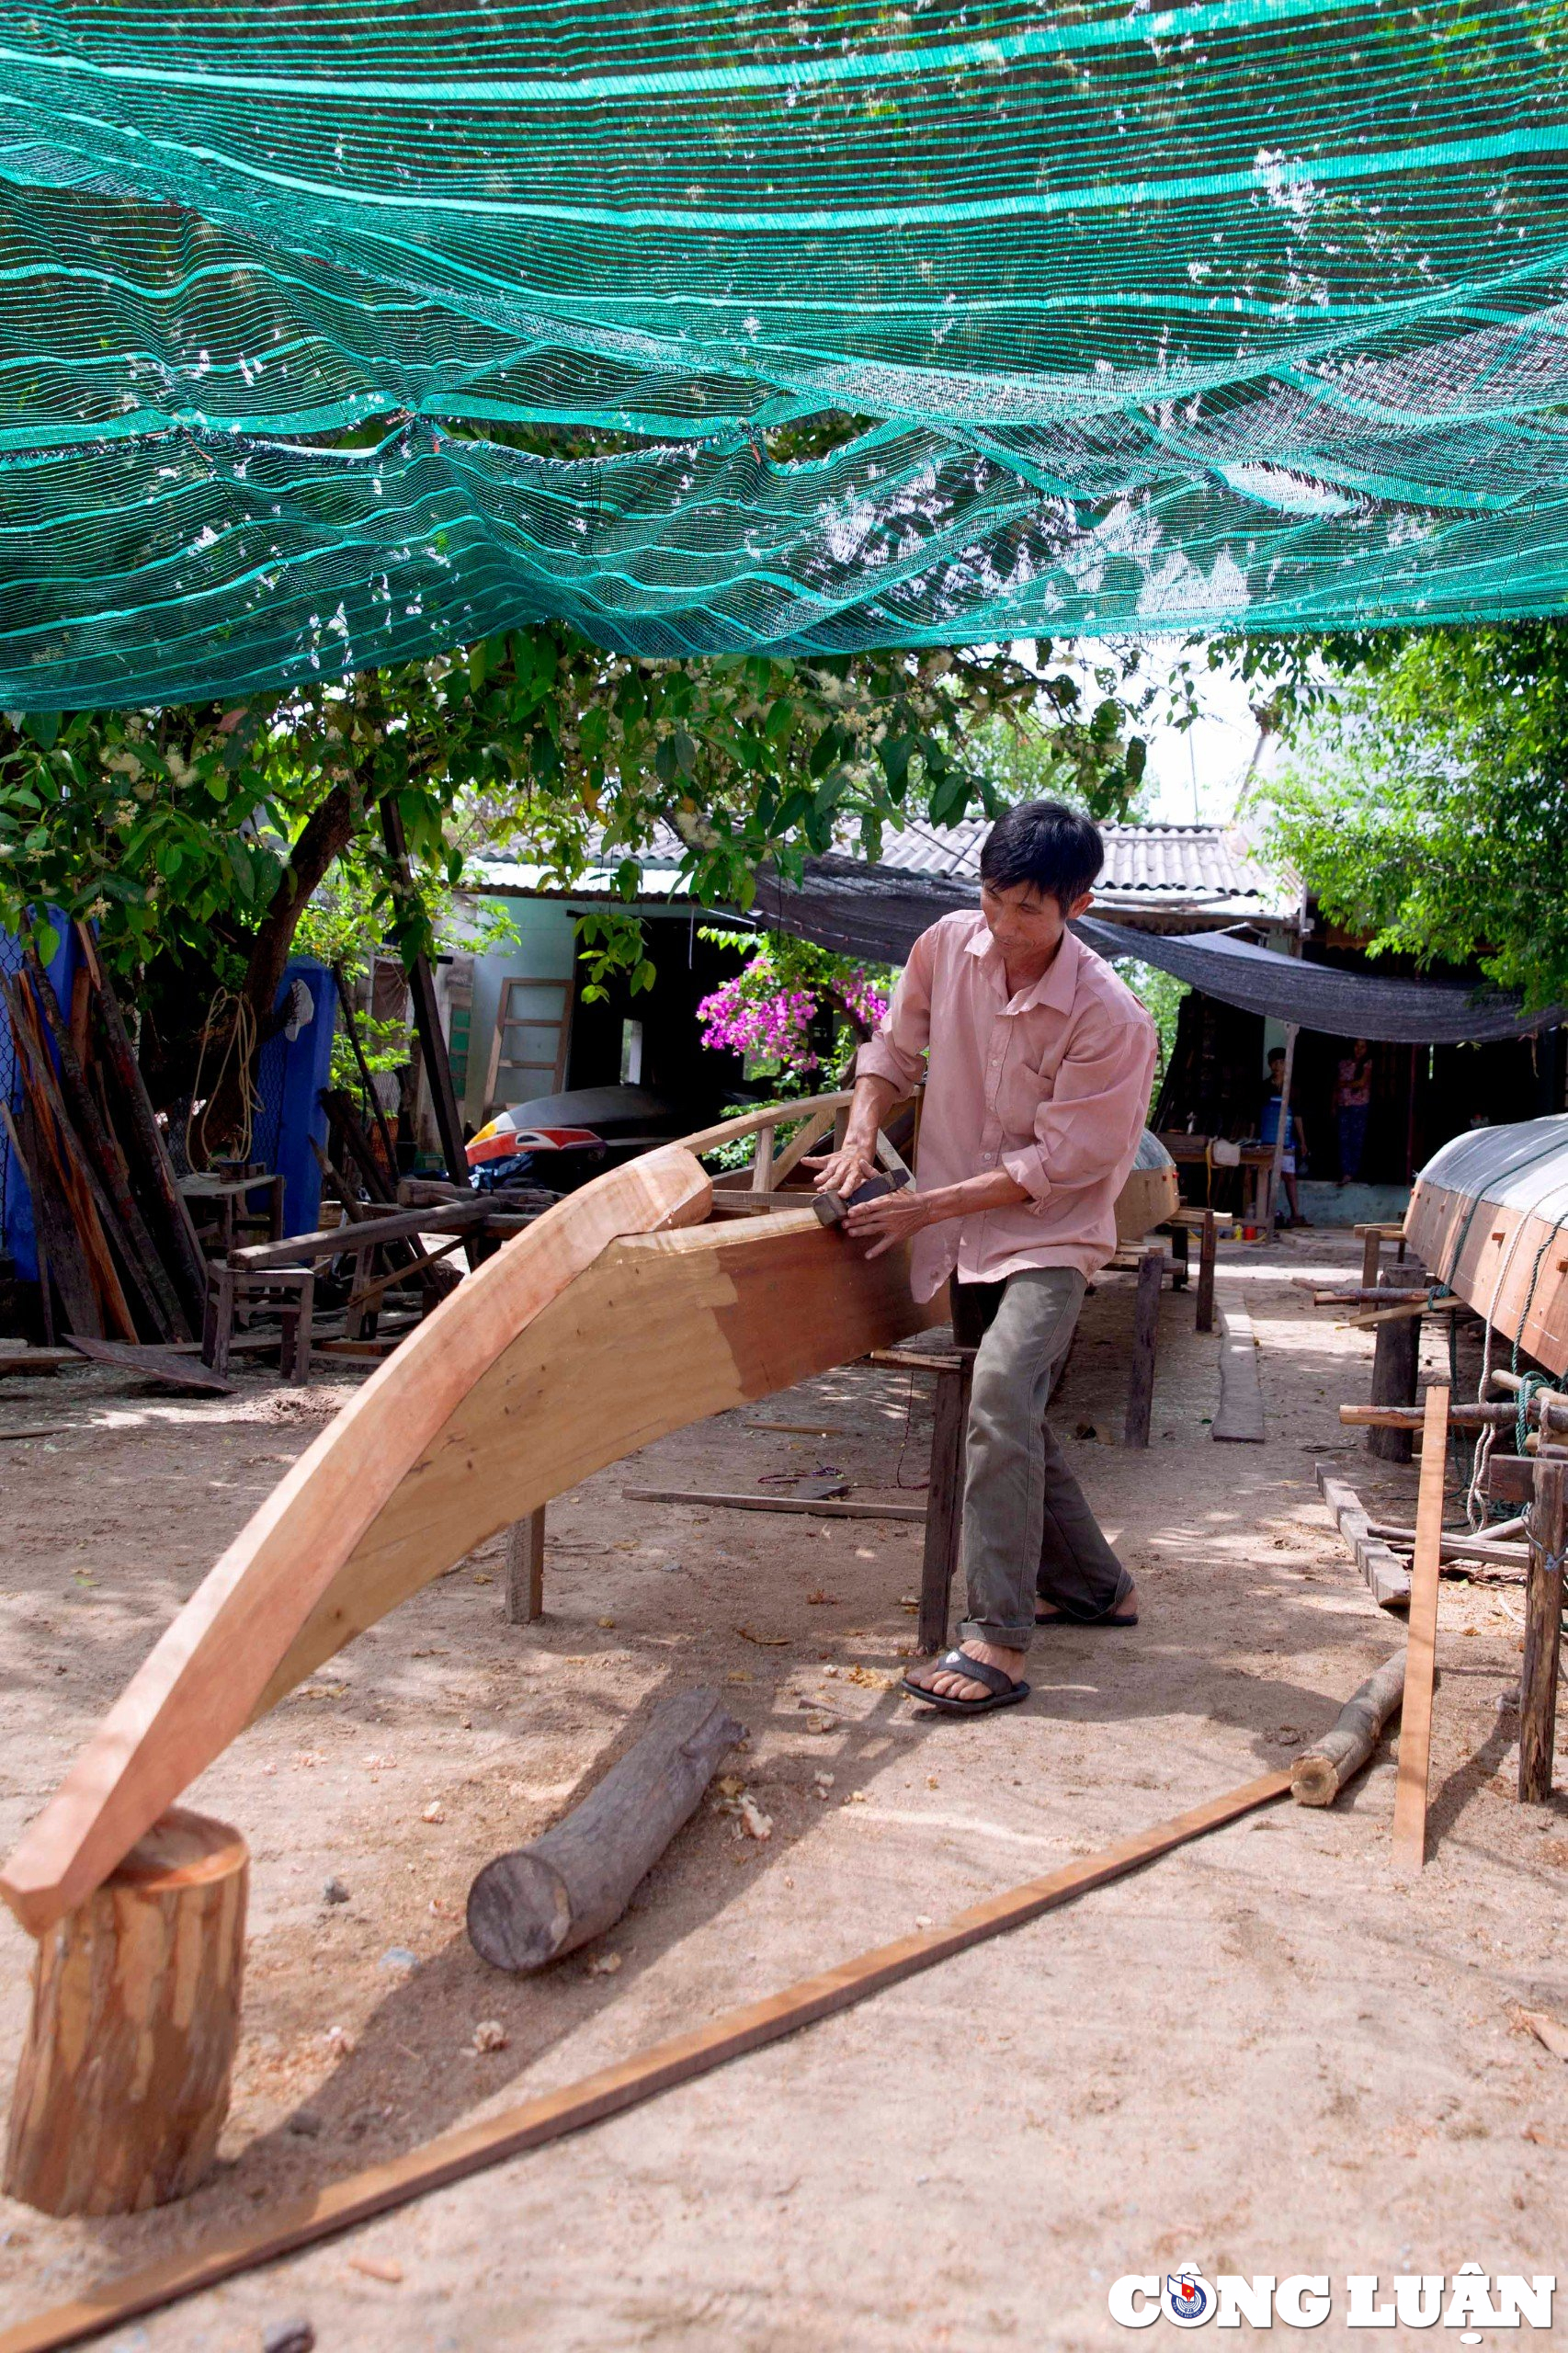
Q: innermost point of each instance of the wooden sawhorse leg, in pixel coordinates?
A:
(1543, 1623)
(944, 1500)
(1207, 1251)
(525, 1569)
(1145, 1337)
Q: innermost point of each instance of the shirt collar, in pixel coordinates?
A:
(1056, 986)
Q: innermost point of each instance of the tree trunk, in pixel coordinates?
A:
(123, 2084)
(541, 1900)
(327, 835)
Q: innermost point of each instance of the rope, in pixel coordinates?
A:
(240, 1040)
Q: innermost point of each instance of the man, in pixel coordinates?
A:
(1041, 1063)
(1295, 1135)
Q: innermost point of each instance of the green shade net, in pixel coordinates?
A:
(334, 335)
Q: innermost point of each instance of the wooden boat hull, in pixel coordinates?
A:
(1489, 1218)
(615, 1319)
(620, 1315)
(1152, 1192)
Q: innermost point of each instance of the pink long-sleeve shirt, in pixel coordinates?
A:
(1052, 1084)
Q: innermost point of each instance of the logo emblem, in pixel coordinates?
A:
(1188, 2300)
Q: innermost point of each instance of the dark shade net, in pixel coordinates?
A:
(879, 913)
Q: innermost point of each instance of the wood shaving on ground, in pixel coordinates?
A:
(1552, 2033)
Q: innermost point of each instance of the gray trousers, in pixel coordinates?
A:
(1026, 1527)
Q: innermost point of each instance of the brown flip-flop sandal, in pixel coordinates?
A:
(1003, 1692)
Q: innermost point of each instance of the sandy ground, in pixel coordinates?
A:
(1264, 2054)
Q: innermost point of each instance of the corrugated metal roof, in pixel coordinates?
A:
(1182, 875)
(1167, 862)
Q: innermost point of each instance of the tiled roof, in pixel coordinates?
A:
(1154, 864)
(1165, 876)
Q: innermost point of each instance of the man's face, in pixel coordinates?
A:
(1025, 923)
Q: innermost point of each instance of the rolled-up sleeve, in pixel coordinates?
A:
(896, 1050)
(1088, 1129)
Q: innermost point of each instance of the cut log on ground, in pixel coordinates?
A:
(123, 2084)
(1320, 1772)
(548, 1898)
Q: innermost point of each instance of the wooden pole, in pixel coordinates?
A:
(1207, 1252)
(944, 1502)
(365, 1079)
(1543, 1623)
(427, 1018)
(1145, 1336)
(1396, 1356)
(1420, 1658)
(190, 1263)
(550, 2115)
(573, 1883)
(123, 2084)
(140, 1251)
(1282, 1133)
(525, 1569)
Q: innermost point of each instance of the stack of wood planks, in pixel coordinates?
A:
(118, 1258)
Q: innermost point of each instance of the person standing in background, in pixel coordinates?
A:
(1352, 1099)
(1295, 1135)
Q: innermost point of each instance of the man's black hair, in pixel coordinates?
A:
(1277, 1053)
(1044, 843)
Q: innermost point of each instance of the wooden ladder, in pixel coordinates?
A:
(507, 1017)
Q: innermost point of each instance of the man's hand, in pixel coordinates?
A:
(846, 1170)
(890, 1219)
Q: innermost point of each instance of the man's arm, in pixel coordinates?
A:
(886, 1068)
(893, 1217)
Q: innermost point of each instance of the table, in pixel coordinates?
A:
(228, 1192)
(1252, 1168)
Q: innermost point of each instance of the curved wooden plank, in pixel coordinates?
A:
(204, 1679)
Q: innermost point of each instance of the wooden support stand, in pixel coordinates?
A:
(525, 1569)
(1145, 1335)
(123, 2084)
(1207, 1250)
(1421, 1650)
(1543, 1621)
(1396, 1355)
(944, 1500)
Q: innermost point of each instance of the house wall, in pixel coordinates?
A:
(545, 952)
(674, 1062)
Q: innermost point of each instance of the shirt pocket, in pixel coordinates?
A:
(1028, 1079)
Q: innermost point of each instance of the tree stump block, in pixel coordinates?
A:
(123, 2084)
